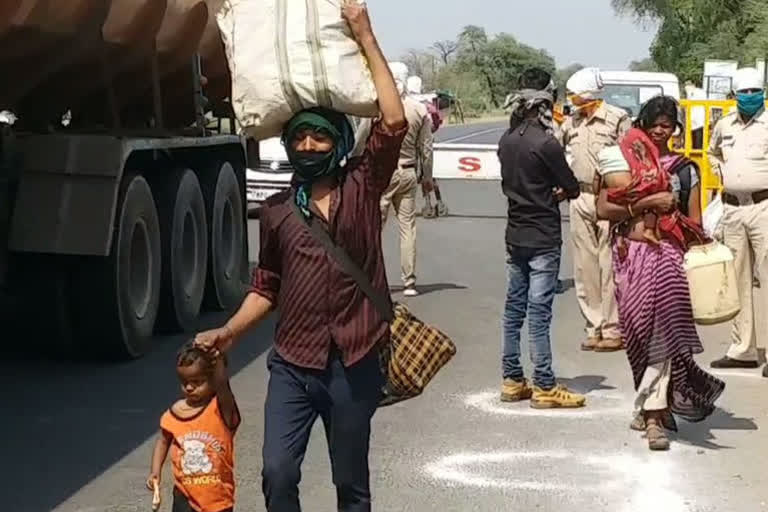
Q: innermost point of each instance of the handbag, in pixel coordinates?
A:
(415, 351)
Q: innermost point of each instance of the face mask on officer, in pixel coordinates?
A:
(750, 102)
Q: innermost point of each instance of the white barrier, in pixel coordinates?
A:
(466, 161)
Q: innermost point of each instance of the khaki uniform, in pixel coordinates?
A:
(415, 163)
(583, 139)
(739, 154)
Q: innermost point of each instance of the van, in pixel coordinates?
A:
(630, 89)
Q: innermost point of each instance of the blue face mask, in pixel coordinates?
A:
(750, 103)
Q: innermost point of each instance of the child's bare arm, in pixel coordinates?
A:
(159, 455)
(227, 404)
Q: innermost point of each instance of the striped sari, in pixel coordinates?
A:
(656, 320)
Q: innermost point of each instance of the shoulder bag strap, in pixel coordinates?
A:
(349, 267)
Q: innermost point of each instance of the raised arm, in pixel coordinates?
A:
(227, 404)
(390, 103)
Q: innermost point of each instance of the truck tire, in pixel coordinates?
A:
(122, 319)
(184, 233)
(224, 206)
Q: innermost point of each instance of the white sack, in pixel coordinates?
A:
(285, 56)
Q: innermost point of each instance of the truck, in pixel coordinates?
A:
(122, 181)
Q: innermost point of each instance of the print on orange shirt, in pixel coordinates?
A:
(202, 455)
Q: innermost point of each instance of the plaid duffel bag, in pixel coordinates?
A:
(415, 351)
(414, 354)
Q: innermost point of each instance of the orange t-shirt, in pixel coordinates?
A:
(203, 458)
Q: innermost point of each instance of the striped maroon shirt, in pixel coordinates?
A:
(318, 304)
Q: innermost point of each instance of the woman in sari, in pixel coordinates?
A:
(655, 310)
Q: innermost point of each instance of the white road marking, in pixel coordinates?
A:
(473, 134)
(647, 477)
(598, 404)
(757, 374)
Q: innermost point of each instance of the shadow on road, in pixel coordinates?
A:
(586, 383)
(701, 435)
(68, 422)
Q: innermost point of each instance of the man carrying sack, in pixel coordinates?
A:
(326, 358)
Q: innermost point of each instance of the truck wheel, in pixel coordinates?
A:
(184, 233)
(224, 206)
(127, 312)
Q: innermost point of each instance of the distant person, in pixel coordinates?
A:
(592, 126)
(199, 431)
(535, 179)
(439, 209)
(651, 285)
(738, 154)
(325, 360)
(414, 167)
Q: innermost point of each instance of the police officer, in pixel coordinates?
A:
(592, 126)
(739, 154)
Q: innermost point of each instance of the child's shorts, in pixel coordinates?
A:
(181, 504)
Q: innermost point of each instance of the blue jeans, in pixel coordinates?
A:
(345, 399)
(531, 284)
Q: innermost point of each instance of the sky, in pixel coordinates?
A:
(586, 32)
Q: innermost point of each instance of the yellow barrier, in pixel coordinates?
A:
(714, 110)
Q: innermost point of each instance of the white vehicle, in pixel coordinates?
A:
(630, 89)
(272, 174)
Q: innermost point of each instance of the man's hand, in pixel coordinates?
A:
(560, 195)
(427, 185)
(356, 15)
(215, 340)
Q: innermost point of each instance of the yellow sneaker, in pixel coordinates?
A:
(514, 391)
(558, 397)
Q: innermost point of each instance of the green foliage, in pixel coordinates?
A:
(692, 31)
(480, 70)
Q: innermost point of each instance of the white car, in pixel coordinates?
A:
(272, 175)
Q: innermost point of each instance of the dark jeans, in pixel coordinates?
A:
(345, 399)
(531, 283)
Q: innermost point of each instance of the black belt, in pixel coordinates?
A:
(587, 188)
(757, 197)
(408, 166)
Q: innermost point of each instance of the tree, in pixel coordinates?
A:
(646, 64)
(691, 32)
(445, 49)
(474, 42)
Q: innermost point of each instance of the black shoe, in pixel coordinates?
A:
(728, 363)
(765, 371)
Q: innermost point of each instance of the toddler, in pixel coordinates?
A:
(199, 431)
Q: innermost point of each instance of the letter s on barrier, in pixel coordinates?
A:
(470, 164)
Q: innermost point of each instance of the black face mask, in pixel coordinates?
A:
(309, 165)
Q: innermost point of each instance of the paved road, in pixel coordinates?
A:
(480, 133)
(78, 436)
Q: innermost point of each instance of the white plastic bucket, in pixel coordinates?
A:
(712, 281)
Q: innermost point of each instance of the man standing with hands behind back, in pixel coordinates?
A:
(592, 126)
(325, 362)
(739, 154)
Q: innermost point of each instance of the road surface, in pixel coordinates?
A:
(78, 437)
(480, 133)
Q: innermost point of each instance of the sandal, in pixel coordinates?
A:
(657, 438)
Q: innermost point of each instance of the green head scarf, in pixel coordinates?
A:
(309, 166)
